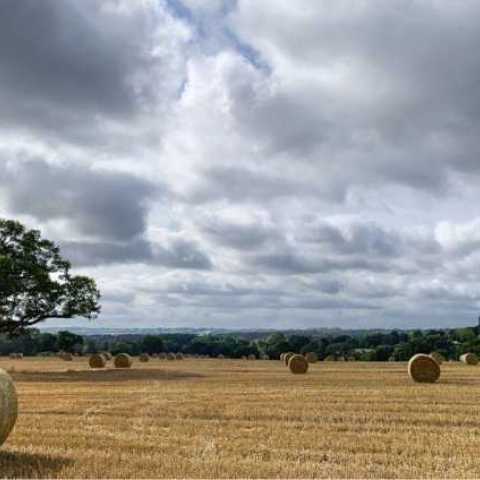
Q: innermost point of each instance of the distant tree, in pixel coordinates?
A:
(69, 342)
(275, 344)
(47, 342)
(383, 353)
(35, 281)
(297, 342)
(153, 344)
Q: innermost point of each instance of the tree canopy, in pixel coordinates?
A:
(36, 283)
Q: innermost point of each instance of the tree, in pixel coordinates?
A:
(68, 341)
(35, 282)
(153, 344)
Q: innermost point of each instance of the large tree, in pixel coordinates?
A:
(36, 283)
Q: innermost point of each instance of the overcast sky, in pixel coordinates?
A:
(250, 163)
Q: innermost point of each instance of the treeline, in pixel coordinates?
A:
(395, 345)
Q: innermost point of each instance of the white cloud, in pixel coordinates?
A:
(249, 163)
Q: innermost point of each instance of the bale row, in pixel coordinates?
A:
(99, 360)
(17, 356)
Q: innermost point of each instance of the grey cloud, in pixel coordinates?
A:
(62, 52)
(182, 254)
(370, 105)
(178, 254)
(292, 263)
(237, 235)
(98, 203)
(66, 66)
(104, 253)
(367, 238)
(243, 184)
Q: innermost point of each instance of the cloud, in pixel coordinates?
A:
(179, 254)
(71, 70)
(97, 203)
(245, 163)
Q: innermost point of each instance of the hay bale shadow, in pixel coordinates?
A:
(107, 375)
(30, 465)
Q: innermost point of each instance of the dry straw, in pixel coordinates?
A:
(287, 357)
(144, 357)
(8, 405)
(123, 360)
(298, 364)
(423, 368)
(469, 359)
(97, 360)
(438, 357)
(311, 357)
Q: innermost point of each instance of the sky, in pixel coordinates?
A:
(250, 163)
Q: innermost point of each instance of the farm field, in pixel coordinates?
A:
(214, 418)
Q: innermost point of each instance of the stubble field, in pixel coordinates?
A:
(235, 418)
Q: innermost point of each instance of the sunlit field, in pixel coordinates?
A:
(237, 418)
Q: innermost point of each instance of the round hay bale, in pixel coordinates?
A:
(162, 356)
(469, 358)
(282, 357)
(123, 360)
(220, 356)
(108, 356)
(8, 405)
(265, 357)
(13, 356)
(287, 357)
(171, 356)
(438, 357)
(423, 368)
(179, 356)
(97, 360)
(244, 357)
(298, 364)
(311, 357)
(67, 356)
(144, 357)
(252, 357)
(330, 358)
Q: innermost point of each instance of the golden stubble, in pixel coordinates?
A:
(215, 418)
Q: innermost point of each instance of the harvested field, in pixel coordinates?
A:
(228, 418)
